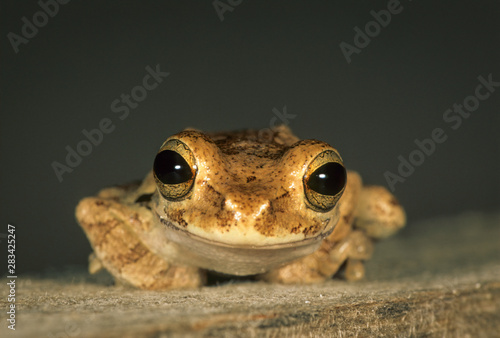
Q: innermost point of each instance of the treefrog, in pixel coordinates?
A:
(241, 203)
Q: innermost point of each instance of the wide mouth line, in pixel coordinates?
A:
(304, 242)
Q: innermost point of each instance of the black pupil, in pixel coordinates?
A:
(171, 168)
(329, 179)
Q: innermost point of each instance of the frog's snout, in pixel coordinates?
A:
(246, 207)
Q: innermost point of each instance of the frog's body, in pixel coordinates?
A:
(239, 203)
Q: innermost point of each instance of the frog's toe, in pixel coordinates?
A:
(95, 264)
(379, 213)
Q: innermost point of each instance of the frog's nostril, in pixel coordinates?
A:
(251, 178)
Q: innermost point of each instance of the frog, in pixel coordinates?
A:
(243, 203)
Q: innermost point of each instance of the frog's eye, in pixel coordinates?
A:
(174, 170)
(171, 168)
(324, 181)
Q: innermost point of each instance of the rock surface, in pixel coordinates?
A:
(439, 278)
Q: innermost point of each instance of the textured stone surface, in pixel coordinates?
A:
(437, 278)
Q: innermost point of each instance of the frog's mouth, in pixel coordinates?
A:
(241, 260)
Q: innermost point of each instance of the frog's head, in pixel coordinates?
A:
(241, 198)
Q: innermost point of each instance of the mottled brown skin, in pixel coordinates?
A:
(246, 203)
(112, 223)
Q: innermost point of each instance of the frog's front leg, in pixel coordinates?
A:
(112, 228)
(367, 214)
(340, 245)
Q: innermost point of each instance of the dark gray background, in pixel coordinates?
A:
(231, 74)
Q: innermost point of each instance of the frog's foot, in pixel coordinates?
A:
(378, 213)
(353, 251)
(95, 264)
(111, 228)
(326, 261)
(301, 271)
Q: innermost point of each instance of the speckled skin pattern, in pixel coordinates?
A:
(246, 213)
